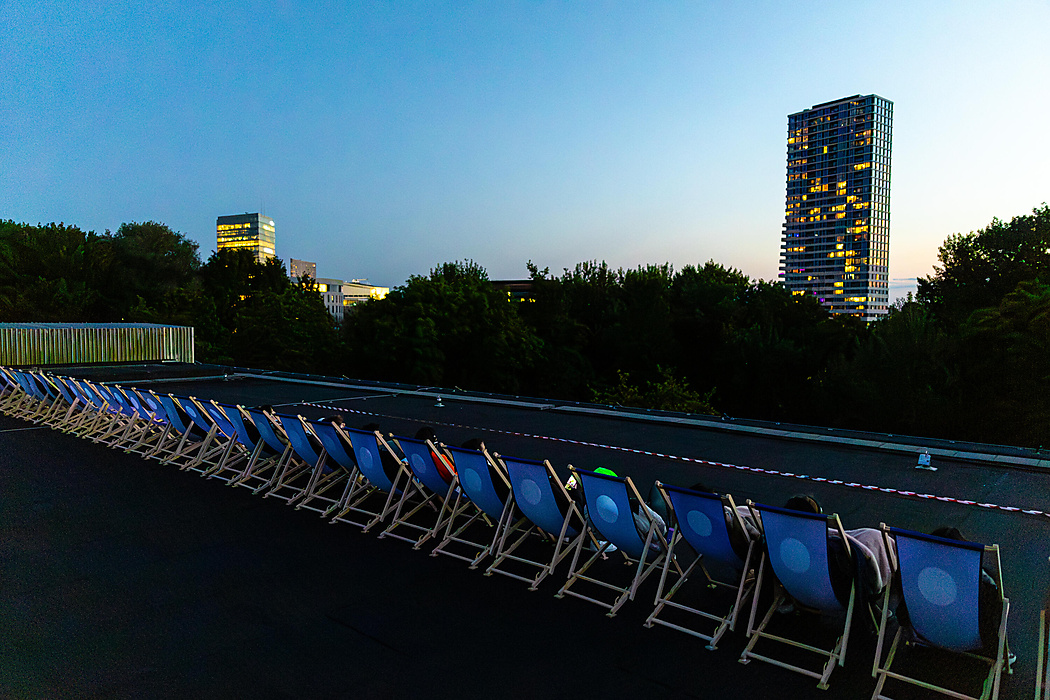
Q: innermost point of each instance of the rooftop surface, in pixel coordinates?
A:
(121, 577)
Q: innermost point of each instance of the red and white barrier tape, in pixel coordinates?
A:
(695, 460)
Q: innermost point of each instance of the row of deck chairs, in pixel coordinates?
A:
(517, 516)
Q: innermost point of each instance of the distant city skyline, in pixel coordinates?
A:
(386, 140)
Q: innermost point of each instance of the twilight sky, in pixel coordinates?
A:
(386, 138)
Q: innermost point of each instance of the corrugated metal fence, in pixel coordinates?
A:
(91, 343)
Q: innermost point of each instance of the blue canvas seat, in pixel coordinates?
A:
(612, 520)
(940, 585)
(548, 513)
(699, 520)
(426, 492)
(373, 489)
(323, 494)
(796, 552)
(482, 494)
(196, 437)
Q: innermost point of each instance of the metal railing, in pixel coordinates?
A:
(40, 344)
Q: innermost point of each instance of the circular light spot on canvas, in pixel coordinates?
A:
(937, 586)
(795, 555)
(471, 481)
(365, 457)
(530, 491)
(419, 466)
(700, 523)
(607, 509)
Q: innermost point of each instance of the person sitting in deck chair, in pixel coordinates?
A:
(640, 521)
(989, 613)
(443, 465)
(872, 565)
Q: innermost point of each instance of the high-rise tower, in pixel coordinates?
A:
(837, 224)
(252, 231)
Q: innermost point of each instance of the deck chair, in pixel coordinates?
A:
(796, 553)
(428, 491)
(371, 484)
(125, 417)
(103, 412)
(1042, 671)
(260, 474)
(38, 399)
(157, 429)
(611, 518)
(223, 441)
(549, 515)
(307, 462)
(73, 406)
(195, 432)
(940, 582)
(95, 411)
(9, 388)
(482, 494)
(235, 453)
(700, 520)
(323, 494)
(252, 455)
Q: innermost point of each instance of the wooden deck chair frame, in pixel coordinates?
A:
(73, 403)
(100, 416)
(323, 489)
(126, 419)
(91, 411)
(261, 473)
(990, 688)
(38, 401)
(426, 489)
(361, 488)
(10, 389)
(304, 466)
(476, 500)
(1042, 671)
(835, 656)
(541, 503)
(196, 442)
(158, 429)
(641, 563)
(259, 457)
(236, 453)
(224, 443)
(697, 530)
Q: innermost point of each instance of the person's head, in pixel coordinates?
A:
(605, 470)
(473, 444)
(702, 487)
(804, 503)
(949, 533)
(370, 427)
(337, 419)
(426, 433)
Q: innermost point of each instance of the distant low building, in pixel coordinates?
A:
(297, 269)
(517, 290)
(253, 232)
(338, 295)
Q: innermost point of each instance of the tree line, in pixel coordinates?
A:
(966, 358)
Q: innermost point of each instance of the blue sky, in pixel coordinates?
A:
(386, 138)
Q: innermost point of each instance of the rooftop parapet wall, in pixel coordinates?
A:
(41, 344)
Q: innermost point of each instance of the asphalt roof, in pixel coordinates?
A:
(123, 577)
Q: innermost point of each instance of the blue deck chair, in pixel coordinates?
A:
(39, 398)
(125, 419)
(482, 495)
(221, 439)
(323, 495)
(235, 453)
(427, 491)
(700, 520)
(94, 409)
(308, 461)
(73, 404)
(612, 520)
(261, 474)
(940, 582)
(549, 514)
(372, 484)
(158, 429)
(797, 553)
(259, 457)
(103, 410)
(196, 433)
(9, 388)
